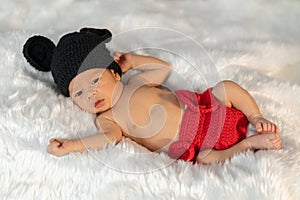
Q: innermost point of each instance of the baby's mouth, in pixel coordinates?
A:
(99, 103)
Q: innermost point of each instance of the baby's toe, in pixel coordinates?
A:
(270, 127)
(259, 127)
(278, 145)
(274, 128)
(266, 127)
(276, 142)
(277, 136)
(272, 136)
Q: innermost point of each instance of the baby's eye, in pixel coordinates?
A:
(95, 81)
(78, 94)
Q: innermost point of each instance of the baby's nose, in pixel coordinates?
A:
(93, 93)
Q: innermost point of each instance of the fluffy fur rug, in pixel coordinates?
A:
(32, 111)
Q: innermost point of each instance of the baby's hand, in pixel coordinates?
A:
(124, 60)
(59, 147)
(262, 125)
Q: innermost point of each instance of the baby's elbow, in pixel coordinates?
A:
(114, 136)
(117, 137)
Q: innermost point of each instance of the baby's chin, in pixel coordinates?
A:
(96, 111)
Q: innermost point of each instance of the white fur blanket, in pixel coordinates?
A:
(254, 43)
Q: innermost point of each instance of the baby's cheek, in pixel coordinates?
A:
(87, 106)
(80, 105)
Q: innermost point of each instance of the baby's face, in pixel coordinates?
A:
(93, 90)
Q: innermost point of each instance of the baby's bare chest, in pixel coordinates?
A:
(147, 112)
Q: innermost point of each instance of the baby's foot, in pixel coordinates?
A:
(264, 141)
(262, 125)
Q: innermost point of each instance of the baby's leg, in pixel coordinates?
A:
(264, 141)
(262, 125)
(259, 141)
(233, 95)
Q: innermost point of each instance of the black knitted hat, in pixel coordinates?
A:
(75, 53)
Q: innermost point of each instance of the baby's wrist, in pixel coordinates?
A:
(76, 146)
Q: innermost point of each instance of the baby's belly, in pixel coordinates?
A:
(149, 116)
(159, 142)
(157, 136)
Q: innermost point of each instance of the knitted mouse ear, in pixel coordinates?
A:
(38, 51)
(105, 34)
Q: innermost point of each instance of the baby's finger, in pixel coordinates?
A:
(117, 54)
(116, 58)
(56, 143)
(51, 140)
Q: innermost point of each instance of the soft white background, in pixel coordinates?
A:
(255, 43)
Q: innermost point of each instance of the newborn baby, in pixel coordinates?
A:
(201, 128)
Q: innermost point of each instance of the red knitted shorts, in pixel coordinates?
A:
(206, 124)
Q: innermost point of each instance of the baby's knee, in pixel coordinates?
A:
(220, 91)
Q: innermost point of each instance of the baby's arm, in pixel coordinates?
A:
(109, 131)
(154, 70)
(233, 95)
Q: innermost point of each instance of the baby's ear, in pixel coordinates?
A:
(115, 74)
(105, 34)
